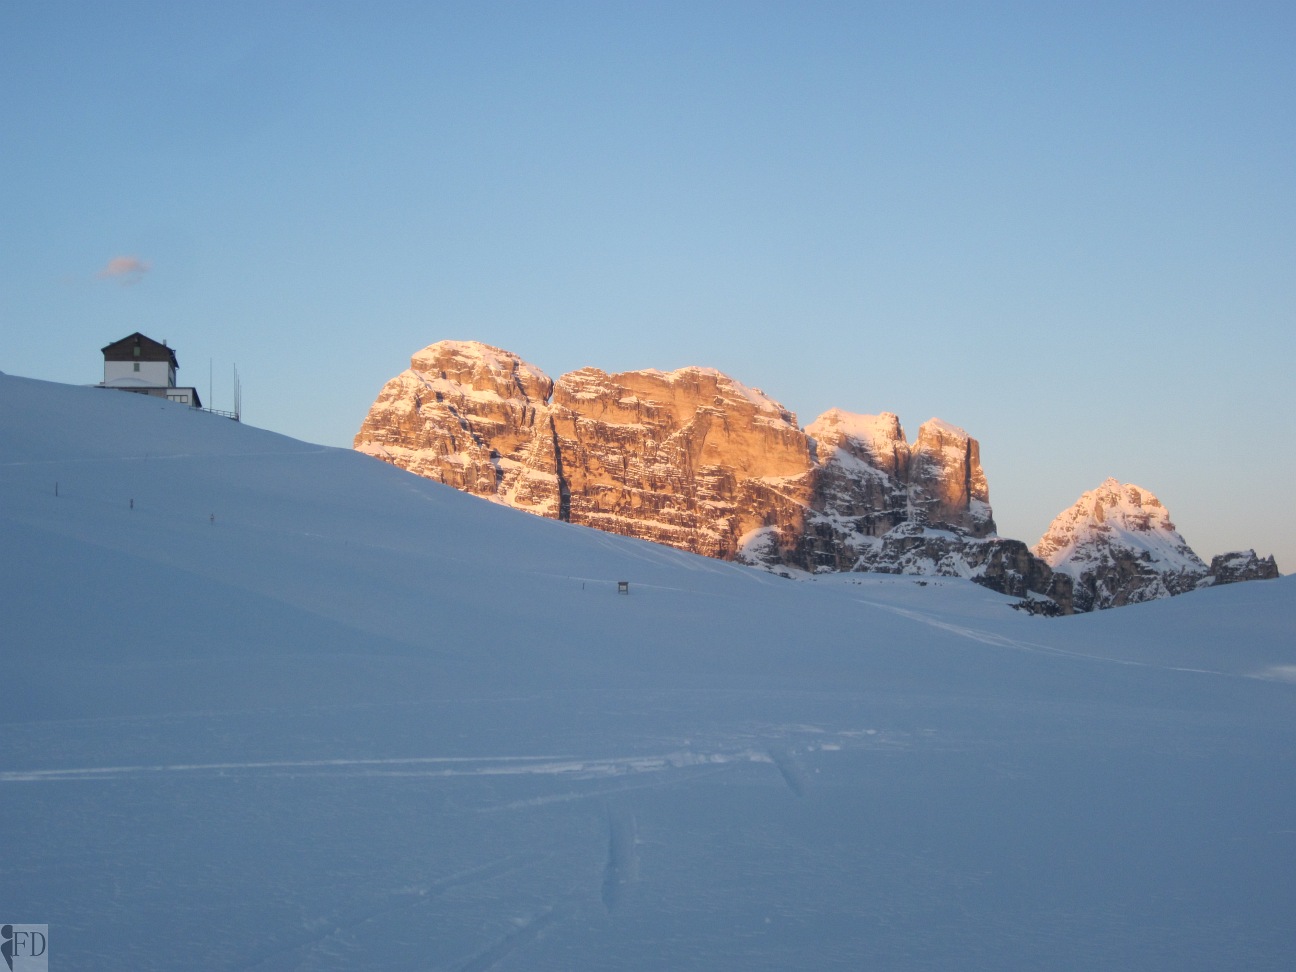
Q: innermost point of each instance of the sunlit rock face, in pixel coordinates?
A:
(863, 470)
(694, 459)
(947, 482)
(689, 458)
(473, 417)
(1119, 546)
(881, 504)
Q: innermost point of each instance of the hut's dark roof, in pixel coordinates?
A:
(150, 350)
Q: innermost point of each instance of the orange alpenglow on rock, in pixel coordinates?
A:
(699, 461)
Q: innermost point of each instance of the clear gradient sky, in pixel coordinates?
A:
(1069, 228)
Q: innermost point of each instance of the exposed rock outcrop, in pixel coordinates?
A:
(1004, 565)
(947, 482)
(689, 458)
(699, 461)
(472, 417)
(1241, 565)
(1119, 546)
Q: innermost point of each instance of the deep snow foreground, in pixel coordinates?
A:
(297, 709)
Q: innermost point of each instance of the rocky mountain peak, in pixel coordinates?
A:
(696, 459)
(471, 365)
(877, 440)
(1116, 514)
(474, 417)
(948, 481)
(1119, 546)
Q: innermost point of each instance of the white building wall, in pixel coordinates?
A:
(157, 374)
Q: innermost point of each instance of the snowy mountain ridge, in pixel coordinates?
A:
(1119, 546)
(697, 460)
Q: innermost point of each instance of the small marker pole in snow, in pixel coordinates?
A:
(56, 489)
(213, 519)
(132, 502)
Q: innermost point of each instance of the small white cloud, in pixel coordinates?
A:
(126, 270)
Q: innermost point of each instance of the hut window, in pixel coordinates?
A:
(137, 366)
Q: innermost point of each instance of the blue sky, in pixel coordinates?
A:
(1069, 228)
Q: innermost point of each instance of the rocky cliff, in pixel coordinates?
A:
(690, 458)
(1241, 565)
(694, 459)
(472, 417)
(1119, 547)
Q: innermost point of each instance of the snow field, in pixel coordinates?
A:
(359, 720)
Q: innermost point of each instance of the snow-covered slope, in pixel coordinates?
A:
(273, 706)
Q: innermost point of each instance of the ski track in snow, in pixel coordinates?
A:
(1003, 641)
(598, 793)
(445, 766)
(190, 715)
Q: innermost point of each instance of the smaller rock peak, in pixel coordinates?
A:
(1116, 499)
(1119, 545)
(483, 368)
(837, 424)
(472, 355)
(463, 351)
(1242, 565)
(939, 428)
(1125, 506)
(586, 381)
